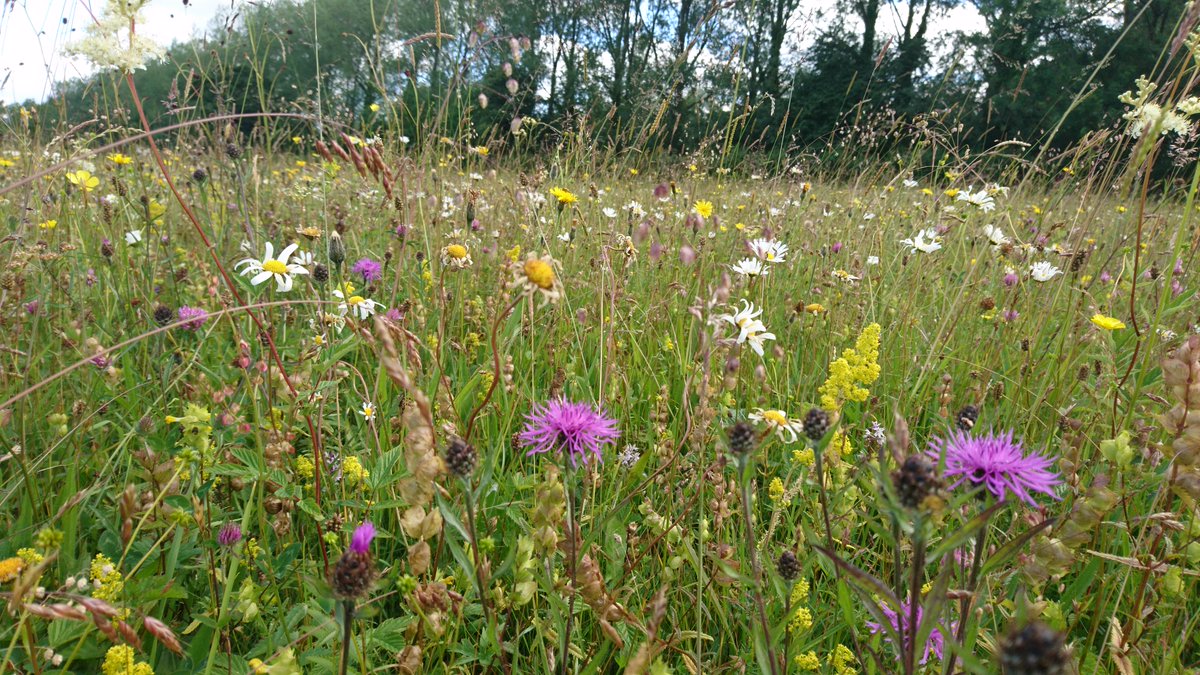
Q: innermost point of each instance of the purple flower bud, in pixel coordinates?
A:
(230, 534)
(837, 246)
(1105, 277)
(1011, 279)
(687, 254)
(360, 541)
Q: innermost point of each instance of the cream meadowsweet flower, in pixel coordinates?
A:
(926, 241)
(768, 250)
(113, 42)
(271, 267)
(750, 267)
(357, 305)
(456, 256)
(778, 421)
(537, 275)
(750, 329)
(1043, 271)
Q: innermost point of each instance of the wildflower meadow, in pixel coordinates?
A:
(434, 385)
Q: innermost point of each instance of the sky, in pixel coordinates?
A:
(33, 34)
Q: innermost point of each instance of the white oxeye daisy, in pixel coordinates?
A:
(1043, 271)
(367, 411)
(845, 276)
(750, 267)
(133, 237)
(358, 305)
(768, 250)
(982, 199)
(750, 330)
(271, 267)
(537, 275)
(609, 212)
(926, 241)
(872, 260)
(995, 235)
(788, 429)
(910, 183)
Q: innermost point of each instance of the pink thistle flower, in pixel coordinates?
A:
(995, 462)
(360, 541)
(575, 429)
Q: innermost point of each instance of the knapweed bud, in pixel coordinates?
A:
(915, 480)
(230, 534)
(741, 438)
(337, 249)
(460, 457)
(1036, 649)
(788, 566)
(816, 423)
(966, 418)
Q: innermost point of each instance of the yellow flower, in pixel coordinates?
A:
(305, 468)
(353, 471)
(843, 660)
(297, 140)
(814, 307)
(704, 208)
(858, 366)
(952, 193)
(374, 107)
(565, 197)
(120, 159)
(83, 179)
(30, 556)
(633, 171)
(48, 224)
(775, 491)
(10, 568)
(539, 273)
(802, 620)
(119, 661)
(481, 150)
(807, 661)
(804, 457)
(514, 253)
(800, 591)
(1107, 322)
(108, 578)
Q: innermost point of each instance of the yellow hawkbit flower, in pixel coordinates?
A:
(565, 197)
(48, 224)
(704, 208)
(1107, 322)
(119, 159)
(855, 367)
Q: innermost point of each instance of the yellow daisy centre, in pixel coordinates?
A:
(275, 267)
(775, 416)
(540, 273)
(770, 255)
(456, 251)
(354, 300)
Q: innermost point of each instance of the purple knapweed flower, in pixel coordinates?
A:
(194, 316)
(996, 462)
(1011, 279)
(368, 269)
(574, 429)
(230, 534)
(360, 541)
(935, 643)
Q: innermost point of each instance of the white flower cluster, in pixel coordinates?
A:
(112, 41)
(1146, 114)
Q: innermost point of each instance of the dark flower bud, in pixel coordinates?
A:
(788, 566)
(1036, 649)
(816, 423)
(741, 438)
(460, 457)
(163, 315)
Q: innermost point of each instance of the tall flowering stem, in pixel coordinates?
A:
(187, 210)
(744, 465)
